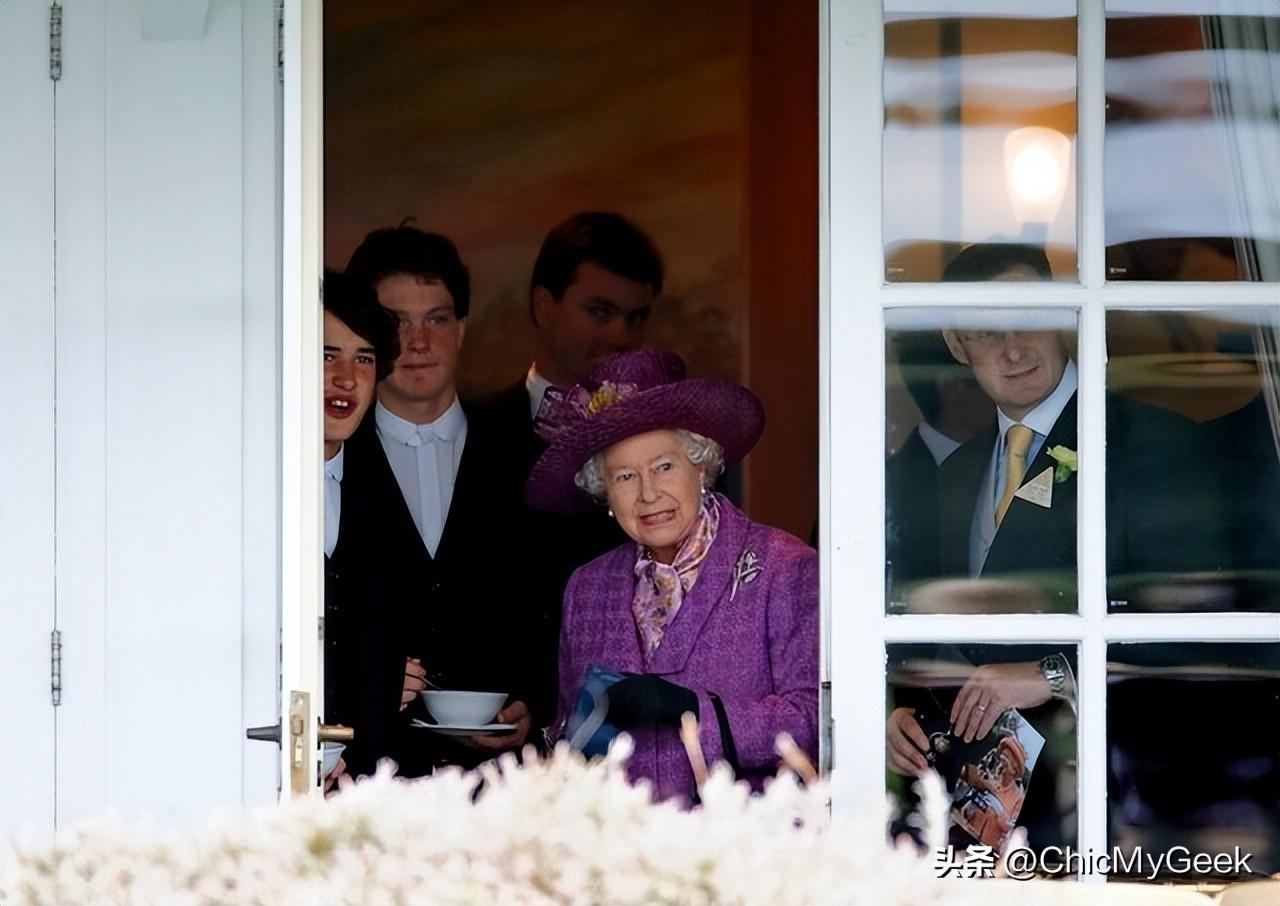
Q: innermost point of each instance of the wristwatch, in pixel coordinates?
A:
(1062, 681)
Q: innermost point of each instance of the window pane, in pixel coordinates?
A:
(1022, 771)
(1192, 140)
(1193, 734)
(980, 507)
(980, 125)
(1193, 460)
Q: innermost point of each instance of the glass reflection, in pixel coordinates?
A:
(1193, 736)
(1193, 460)
(998, 724)
(980, 509)
(1192, 140)
(980, 122)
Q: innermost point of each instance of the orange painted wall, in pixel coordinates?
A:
(781, 360)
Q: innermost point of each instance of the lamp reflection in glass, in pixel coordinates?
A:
(1035, 174)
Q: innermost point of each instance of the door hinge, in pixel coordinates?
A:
(55, 667)
(55, 41)
(280, 41)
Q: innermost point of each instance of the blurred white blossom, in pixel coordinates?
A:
(554, 831)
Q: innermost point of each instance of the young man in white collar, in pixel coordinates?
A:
(435, 506)
(419, 418)
(359, 346)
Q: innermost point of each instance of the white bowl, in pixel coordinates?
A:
(332, 752)
(456, 708)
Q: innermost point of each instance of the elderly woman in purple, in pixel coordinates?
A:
(703, 611)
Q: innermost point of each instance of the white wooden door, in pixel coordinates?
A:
(159, 338)
(26, 431)
(167, 423)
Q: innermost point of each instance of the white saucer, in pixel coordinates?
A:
(461, 730)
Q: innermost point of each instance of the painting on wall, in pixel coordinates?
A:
(492, 122)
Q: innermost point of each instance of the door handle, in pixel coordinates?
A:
(264, 734)
(299, 708)
(335, 733)
(327, 733)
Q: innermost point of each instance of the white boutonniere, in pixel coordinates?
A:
(745, 572)
(1068, 463)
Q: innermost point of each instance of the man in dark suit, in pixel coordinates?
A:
(1008, 496)
(1005, 506)
(435, 526)
(952, 408)
(1003, 509)
(592, 290)
(1006, 509)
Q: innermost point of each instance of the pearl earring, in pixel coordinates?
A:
(610, 512)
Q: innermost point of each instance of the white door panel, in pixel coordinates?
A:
(166, 421)
(26, 431)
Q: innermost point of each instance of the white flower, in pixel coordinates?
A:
(555, 831)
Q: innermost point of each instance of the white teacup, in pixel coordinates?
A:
(332, 752)
(463, 709)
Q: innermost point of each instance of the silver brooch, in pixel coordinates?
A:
(745, 572)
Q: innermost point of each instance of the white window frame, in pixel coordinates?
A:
(852, 412)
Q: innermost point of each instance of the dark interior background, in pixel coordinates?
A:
(491, 122)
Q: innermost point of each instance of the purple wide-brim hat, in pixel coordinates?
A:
(627, 395)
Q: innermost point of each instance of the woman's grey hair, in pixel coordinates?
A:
(702, 452)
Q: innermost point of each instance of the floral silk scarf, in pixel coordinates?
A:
(660, 588)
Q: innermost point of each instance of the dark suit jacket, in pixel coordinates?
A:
(1165, 510)
(911, 515)
(358, 610)
(1034, 543)
(556, 543)
(463, 611)
(1249, 495)
(1166, 514)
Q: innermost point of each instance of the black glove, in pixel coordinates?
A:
(647, 699)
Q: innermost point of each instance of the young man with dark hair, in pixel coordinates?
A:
(360, 344)
(593, 288)
(436, 515)
(420, 279)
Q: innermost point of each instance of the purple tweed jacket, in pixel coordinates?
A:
(753, 641)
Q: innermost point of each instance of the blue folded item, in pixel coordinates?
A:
(588, 732)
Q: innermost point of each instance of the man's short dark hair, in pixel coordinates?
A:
(987, 260)
(603, 238)
(408, 250)
(352, 300)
